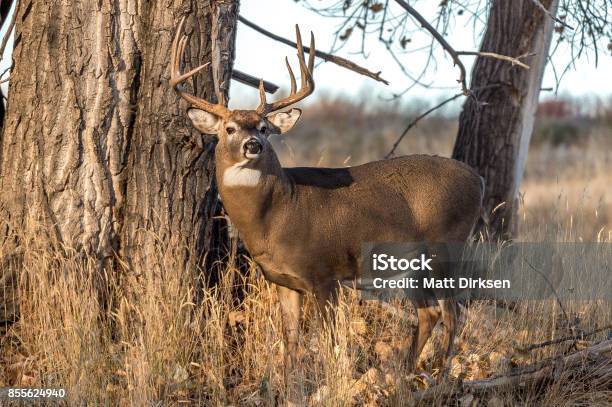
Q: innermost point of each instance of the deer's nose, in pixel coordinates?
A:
(252, 147)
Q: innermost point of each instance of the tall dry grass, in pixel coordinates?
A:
(150, 336)
(158, 343)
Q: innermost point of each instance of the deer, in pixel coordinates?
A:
(304, 227)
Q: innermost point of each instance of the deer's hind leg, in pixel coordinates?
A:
(428, 314)
(450, 317)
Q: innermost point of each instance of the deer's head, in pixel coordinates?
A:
(243, 134)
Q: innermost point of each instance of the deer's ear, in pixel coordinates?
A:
(284, 121)
(207, 123)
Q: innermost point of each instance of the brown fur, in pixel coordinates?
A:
(246, 119)
(330, 212)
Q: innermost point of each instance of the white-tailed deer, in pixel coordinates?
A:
(304, 227)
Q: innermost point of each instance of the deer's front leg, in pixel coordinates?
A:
(291, 309)
(327, 301)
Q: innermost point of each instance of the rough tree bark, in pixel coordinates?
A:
(171, 192)
(95, 142)
(494, 137)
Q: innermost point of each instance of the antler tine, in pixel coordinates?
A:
(307, 82)
(262, 93)
(311, 56)
(292, 76)
(178, 48)
(300, 53)
(174, 58)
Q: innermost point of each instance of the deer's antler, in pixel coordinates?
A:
(307, 86)
(176, 78)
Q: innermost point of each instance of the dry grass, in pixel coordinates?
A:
(159, 341)
(169, 348)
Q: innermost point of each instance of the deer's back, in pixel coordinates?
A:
(428, 192)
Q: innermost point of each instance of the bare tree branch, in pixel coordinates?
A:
(428, 112)
(513, 61)
(6, 71)
(539, 5)
(451, 51)
(252, 81)
(345, 63)
(7, 35)
(591, 21)
(5, 8)
(417, 119)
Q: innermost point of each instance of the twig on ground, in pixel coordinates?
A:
(565, 339)
(345, 63)
(593, 362)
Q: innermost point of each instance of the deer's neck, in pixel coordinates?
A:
(251, 193)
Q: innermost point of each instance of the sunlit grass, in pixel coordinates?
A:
(157, 341)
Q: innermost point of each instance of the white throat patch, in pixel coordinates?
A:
(240, 176)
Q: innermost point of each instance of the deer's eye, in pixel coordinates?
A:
(263, 129)
(230, 130)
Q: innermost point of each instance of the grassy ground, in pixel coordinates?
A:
(166, 348)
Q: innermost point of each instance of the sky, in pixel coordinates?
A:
(263, 57)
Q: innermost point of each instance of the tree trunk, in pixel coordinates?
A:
(171, 191)
(495, 126)
(95, 141)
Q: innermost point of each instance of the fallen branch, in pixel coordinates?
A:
(580, 336)
(345, 63)
(594, 362)
(544, 369)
